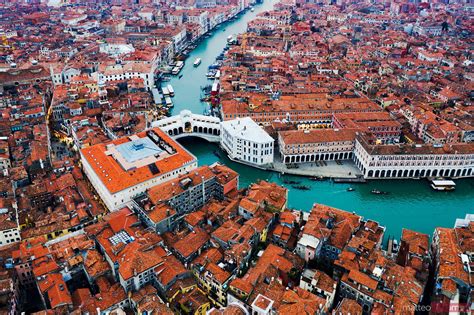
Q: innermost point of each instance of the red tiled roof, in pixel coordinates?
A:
(115, 178)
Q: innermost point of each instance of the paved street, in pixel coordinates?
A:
(329, 169)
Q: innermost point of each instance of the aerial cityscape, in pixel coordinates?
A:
(238, 157)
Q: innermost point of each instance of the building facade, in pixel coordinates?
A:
(300, 146)
(245, 141)
(162, 206)
(413, 161)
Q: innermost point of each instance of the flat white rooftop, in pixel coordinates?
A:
(247, 129)
(443, 182)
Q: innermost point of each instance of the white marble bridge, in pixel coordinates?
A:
(187, 124)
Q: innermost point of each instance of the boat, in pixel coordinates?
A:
(252, 9)
(211, 74)
(168, 101)
(215, 88)
(180, 76)
(216, 65)
(301, 187)
(170, 89)
(197, 62)
(395, 246)
(175, 71)
(177, 68)
(317, 178)
(350, 189)
(218, 74)
(378, 192)
(443, 185)
(291, 182)
(165, 91)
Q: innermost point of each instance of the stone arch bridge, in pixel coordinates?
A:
(188, 124)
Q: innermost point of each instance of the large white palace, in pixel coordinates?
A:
(413, 160)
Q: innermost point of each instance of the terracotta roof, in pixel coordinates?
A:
(348, 306)
(292, 137)
(418, 243)
(54, 286)
(191, 243)
(334, 225)
(115, 178)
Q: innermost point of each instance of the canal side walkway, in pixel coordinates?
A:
(330, 169)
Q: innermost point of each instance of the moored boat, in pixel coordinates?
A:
(169, 102)
(170, 89)
(378, 192)
(443, 185)
(197, 62)
(301, 187)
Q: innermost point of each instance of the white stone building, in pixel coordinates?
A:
(413, 160)
(131, 70)
(9, 232)
(116, 49)
(245, 141)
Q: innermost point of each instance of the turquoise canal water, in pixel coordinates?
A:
(411, 203)
(188, 88)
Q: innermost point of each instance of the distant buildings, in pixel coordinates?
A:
(132, 225)
(245, 141)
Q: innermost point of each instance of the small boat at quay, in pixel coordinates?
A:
(443, 185)
(170, 89)
(301, 187)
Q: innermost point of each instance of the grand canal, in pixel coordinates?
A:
(411, 203)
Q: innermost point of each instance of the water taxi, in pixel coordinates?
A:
(197, 62)
(211, 74)
(443, 184)
(170, 89)
(177, 68)
(301, 187)
(175, 71)
(215, 88)
(168, 101)
(378, 192)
